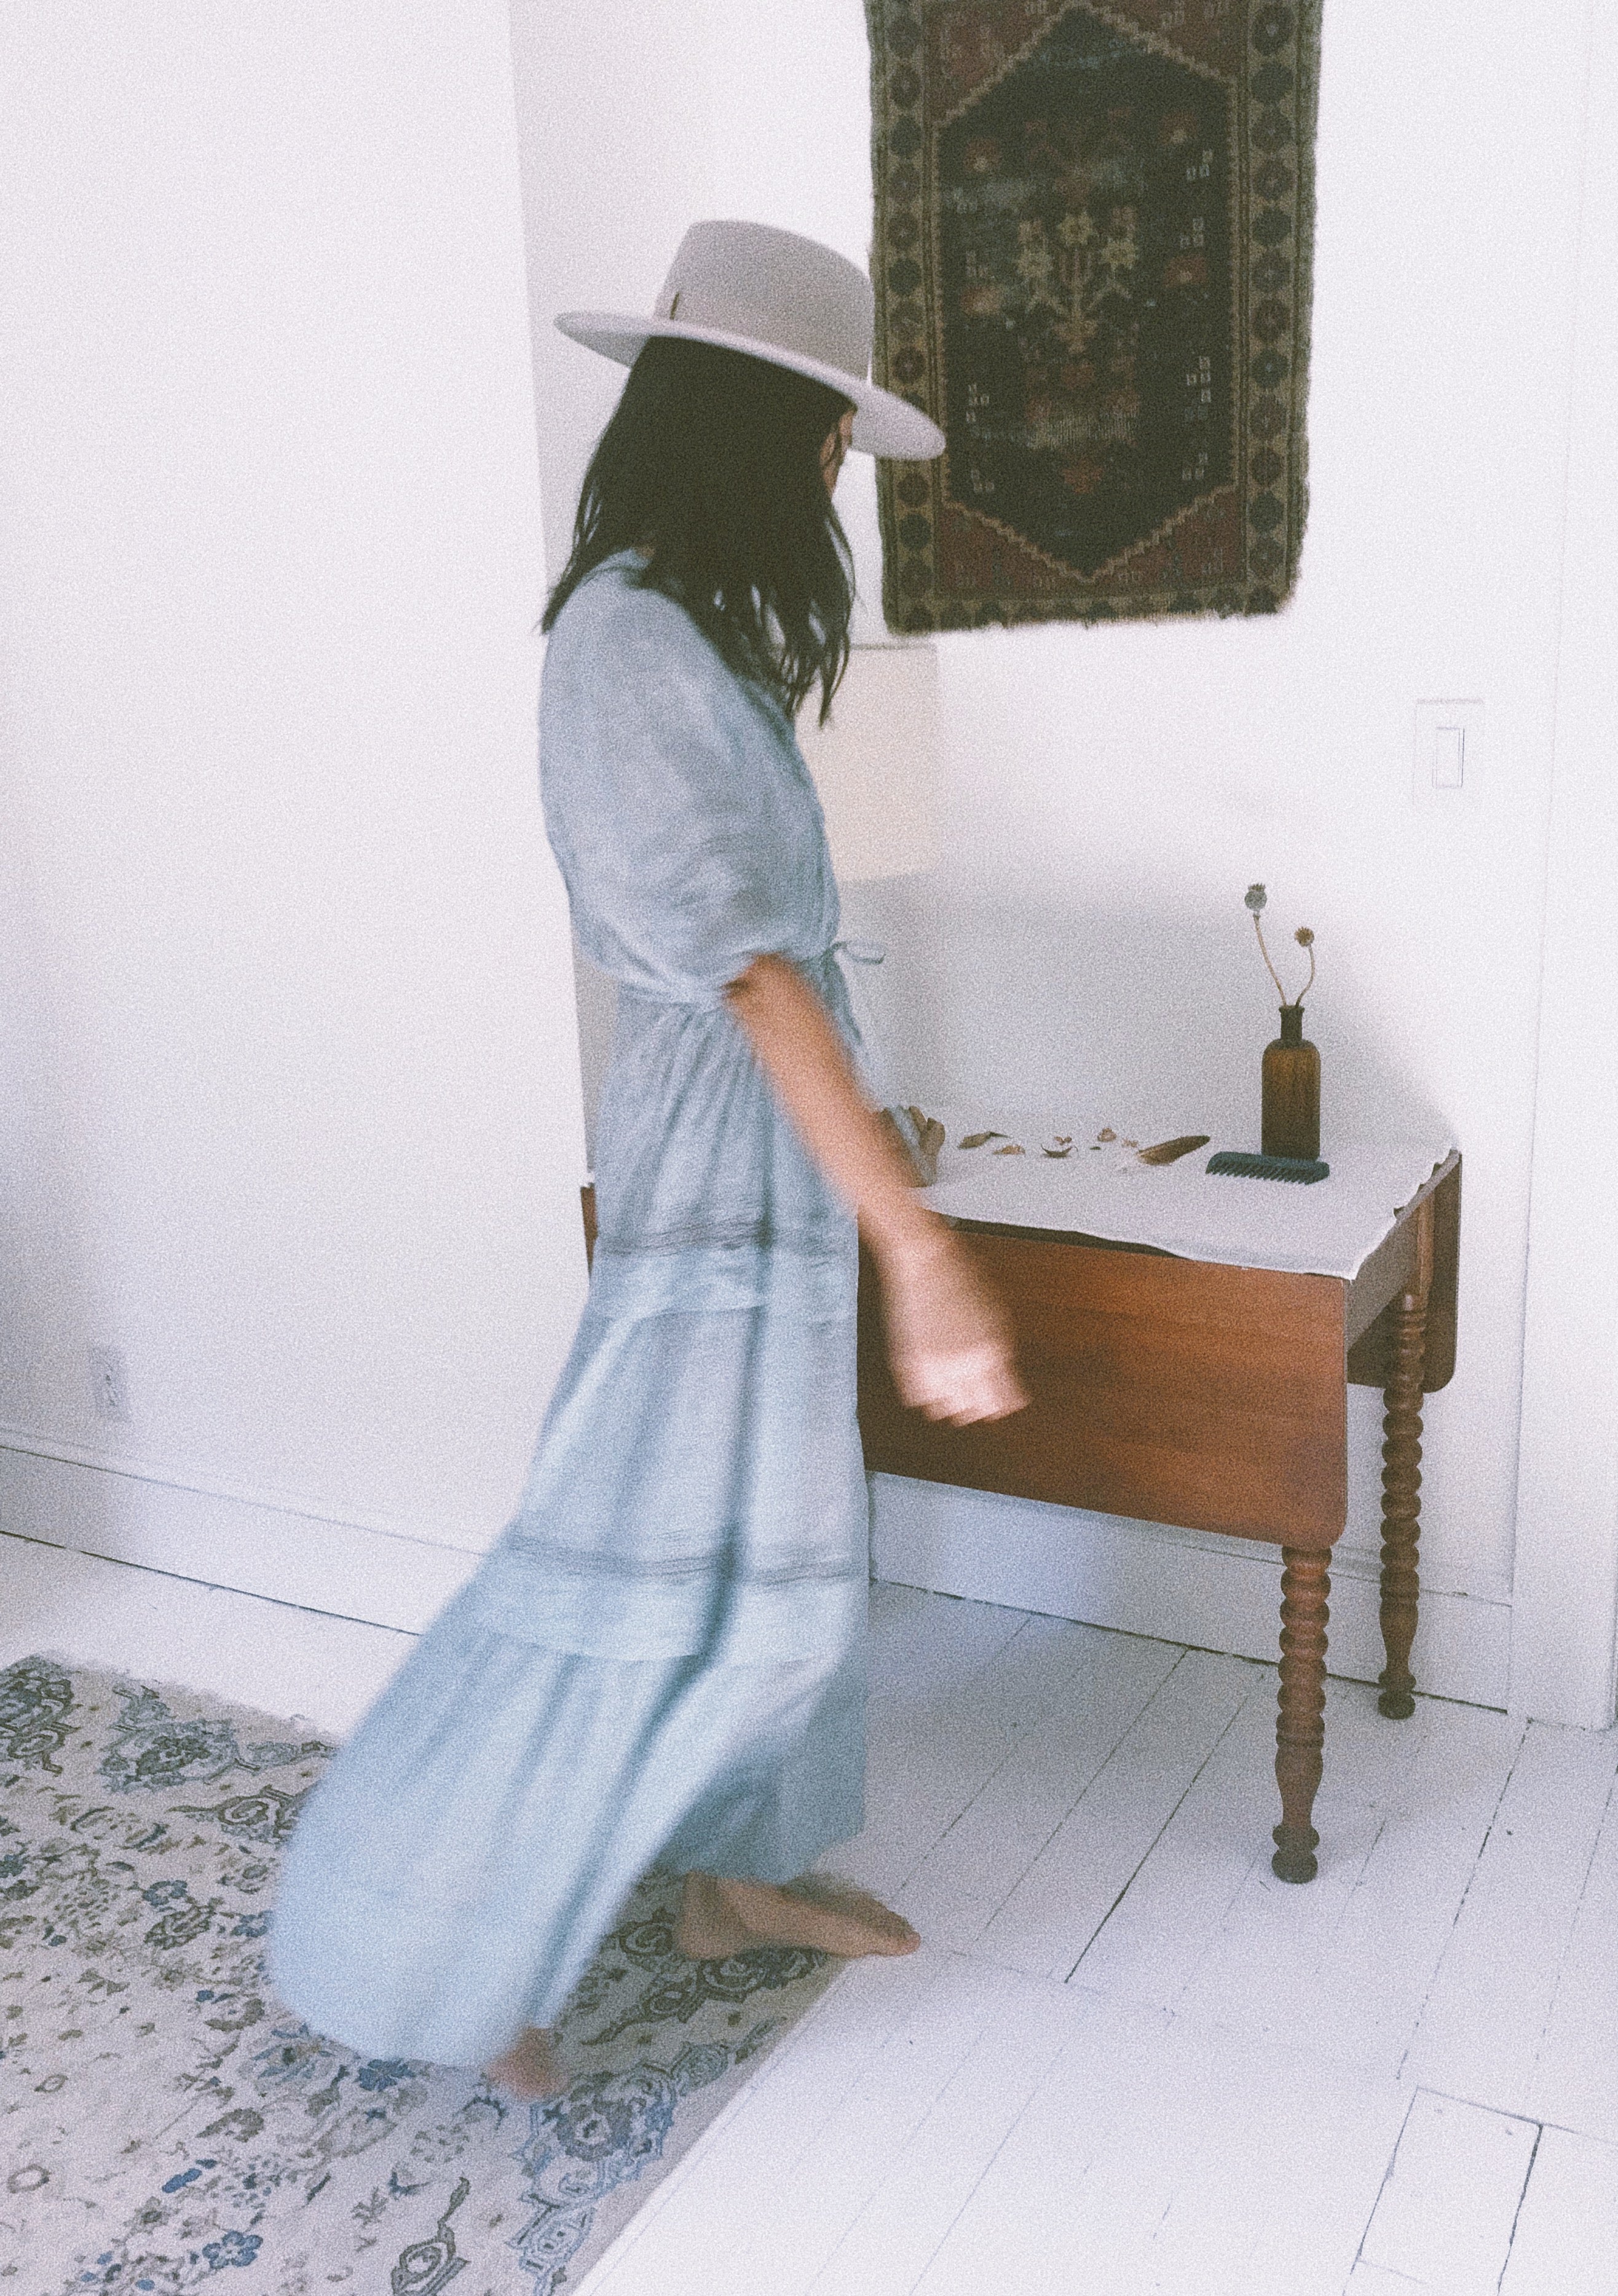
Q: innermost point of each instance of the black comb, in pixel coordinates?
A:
(1238, 1166)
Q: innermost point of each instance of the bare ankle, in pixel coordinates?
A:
(530, 2068)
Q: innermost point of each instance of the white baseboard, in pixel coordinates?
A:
(1151, 1578)
(198, 1530)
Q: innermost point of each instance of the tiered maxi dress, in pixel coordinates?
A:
(660, 1662)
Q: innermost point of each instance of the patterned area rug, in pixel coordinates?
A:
(162, 2119)
(1094, 233)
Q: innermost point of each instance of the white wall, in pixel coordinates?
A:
(289, 1098)
(1566, 1583)
(1112, 791)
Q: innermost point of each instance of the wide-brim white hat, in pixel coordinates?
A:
(776, 295)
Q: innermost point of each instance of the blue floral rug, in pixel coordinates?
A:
(163, 2120)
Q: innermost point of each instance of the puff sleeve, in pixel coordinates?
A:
(675, 801)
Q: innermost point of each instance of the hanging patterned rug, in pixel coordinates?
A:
(1093, 231)
(162, 2118)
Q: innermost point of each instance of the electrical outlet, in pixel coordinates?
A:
(110, 1384)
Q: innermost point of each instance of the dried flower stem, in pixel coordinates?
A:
(1269, 968)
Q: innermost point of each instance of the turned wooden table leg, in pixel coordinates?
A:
(1301, 1719)
(1401, 1483)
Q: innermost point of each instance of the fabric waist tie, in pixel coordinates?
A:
(847, 960)
(856, 959)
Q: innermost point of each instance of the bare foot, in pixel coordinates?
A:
(530, 2068)
(720, 1917)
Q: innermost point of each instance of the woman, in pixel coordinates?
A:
(661, 1663)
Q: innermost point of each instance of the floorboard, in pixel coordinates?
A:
(1566, 2242)
(1094, 1855)
(1483, 2024)
(1446, 2215)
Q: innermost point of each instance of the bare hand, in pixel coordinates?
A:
(949, 1342)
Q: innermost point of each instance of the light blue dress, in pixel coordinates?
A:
(661, 1660)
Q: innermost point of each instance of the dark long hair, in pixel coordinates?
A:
(712, 461)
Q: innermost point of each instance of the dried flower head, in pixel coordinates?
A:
(1255, 898)
(1304, 938)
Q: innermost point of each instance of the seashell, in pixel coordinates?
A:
(1011, 1148)
(920, 1151)
(929, 1140)
(1167, 1152)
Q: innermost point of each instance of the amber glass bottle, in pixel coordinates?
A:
(1291, 1099)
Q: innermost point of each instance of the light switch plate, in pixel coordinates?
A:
(1449, 765)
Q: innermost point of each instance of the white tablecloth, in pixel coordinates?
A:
(1328, 1228)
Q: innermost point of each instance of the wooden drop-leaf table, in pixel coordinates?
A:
(1179, 1390)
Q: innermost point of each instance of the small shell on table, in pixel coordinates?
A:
(1168, 1151)
(920, 1151)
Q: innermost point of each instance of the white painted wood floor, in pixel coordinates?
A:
(1128, 2059)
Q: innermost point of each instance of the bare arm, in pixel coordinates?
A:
(951, 1348)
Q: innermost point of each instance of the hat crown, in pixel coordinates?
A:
(773, 287)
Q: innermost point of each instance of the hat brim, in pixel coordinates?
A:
(884, 423)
